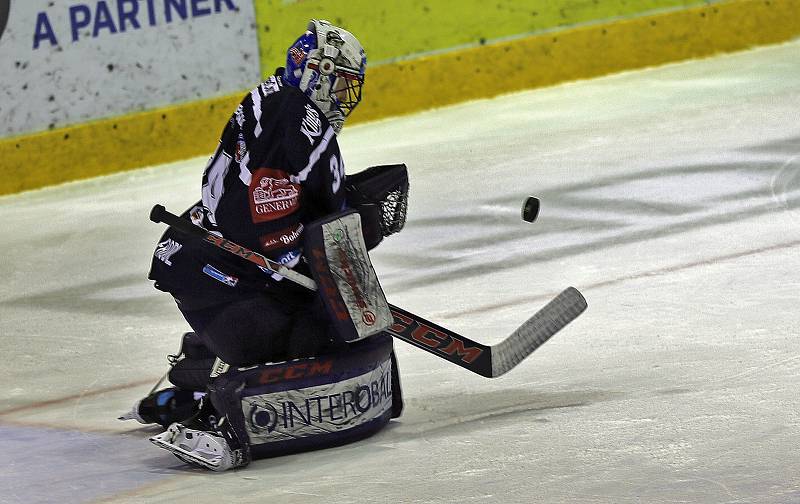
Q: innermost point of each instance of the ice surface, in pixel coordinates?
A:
(669, 198)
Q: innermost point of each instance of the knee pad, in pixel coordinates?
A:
(192, 364)
(191, 374)
(312, 403)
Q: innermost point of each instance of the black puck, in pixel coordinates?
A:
(530, 209)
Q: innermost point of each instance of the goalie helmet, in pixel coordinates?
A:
(327, 63)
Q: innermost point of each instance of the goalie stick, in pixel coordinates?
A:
(486, 360)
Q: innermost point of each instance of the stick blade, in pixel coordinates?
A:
(556, 314)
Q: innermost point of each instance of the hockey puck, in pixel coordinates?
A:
(530, 209)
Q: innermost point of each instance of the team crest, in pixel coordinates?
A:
(166, 249)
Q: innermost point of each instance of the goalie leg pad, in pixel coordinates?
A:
(322, 402)
(289, 407)
(313, 403)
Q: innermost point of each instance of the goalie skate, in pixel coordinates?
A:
(199, 448)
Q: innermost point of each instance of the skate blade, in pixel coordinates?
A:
(133, 414)
(186, 456)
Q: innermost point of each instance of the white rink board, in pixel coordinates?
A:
(670, 198)
(68, 62)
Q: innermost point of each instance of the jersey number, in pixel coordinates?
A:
(337, 171)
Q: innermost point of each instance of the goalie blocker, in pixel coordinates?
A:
(336, 250)
(353, 297)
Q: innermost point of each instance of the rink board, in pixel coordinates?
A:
(406, 86)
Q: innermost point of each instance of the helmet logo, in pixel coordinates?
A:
(326, 66)
(297, 55)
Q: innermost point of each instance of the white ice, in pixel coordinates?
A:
(669, 198)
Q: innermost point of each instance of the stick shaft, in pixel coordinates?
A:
(485, 360)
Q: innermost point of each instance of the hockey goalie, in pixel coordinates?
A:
(270, 367)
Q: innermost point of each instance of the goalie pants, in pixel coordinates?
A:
(255, 329)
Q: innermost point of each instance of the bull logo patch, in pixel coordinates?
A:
(272, 195)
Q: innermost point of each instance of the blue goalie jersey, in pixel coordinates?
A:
(276, 169)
